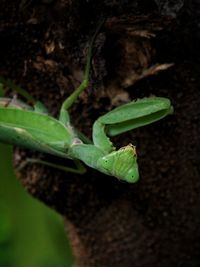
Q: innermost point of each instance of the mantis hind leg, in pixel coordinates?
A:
(64, 116)
(1, 90)
(80, 169)
(9, 84)
(38, 106)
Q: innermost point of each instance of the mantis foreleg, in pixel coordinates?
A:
(128, 117)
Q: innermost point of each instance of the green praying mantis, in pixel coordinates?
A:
(32, 127)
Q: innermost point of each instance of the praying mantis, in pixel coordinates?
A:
(32, 127)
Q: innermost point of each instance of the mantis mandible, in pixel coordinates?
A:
(33, 128)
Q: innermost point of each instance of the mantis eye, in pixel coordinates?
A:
(121, 164)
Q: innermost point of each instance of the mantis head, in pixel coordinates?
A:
(121, 164)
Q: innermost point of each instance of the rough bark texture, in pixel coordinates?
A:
(43, 47)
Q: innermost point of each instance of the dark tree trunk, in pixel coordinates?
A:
(113, 224)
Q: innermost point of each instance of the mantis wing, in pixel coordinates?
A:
(35, 131)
